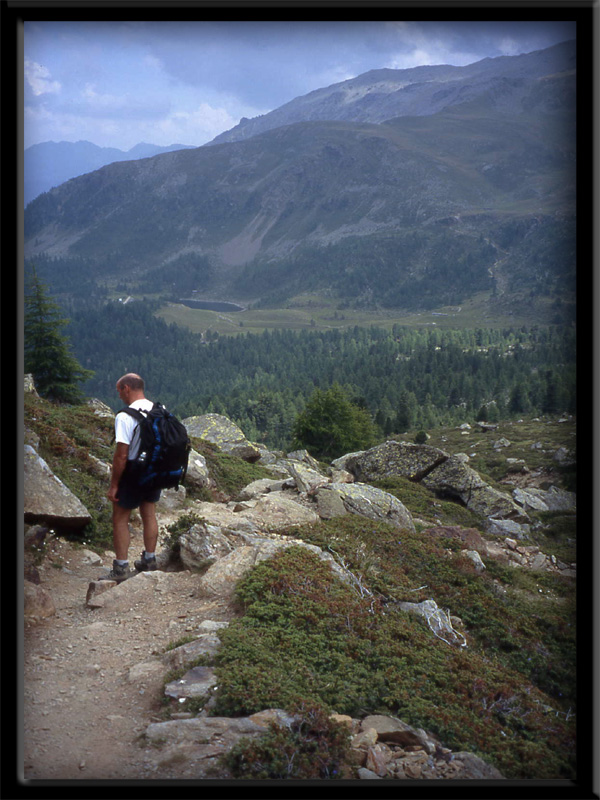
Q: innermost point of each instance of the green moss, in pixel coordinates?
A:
(229, 473)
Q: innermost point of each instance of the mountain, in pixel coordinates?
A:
(382, 94)
(51, 163)
(416, 211)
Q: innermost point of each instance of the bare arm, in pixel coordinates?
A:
(118, 467)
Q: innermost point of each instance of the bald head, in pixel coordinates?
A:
(130, 388)
(132, 380)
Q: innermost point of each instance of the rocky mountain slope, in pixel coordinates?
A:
(49, 164)
(139, 710)
(415, 211)
(510, 82)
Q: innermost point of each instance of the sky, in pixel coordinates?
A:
(117, 84)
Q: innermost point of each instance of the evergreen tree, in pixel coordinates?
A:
(332, 425)
(56, 372)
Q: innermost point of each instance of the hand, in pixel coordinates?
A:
(112, 494)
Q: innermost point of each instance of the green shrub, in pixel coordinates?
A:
(307, 637)
(313, 747)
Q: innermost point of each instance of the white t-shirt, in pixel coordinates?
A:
(127, 428)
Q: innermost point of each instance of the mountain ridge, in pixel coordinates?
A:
(49, 164)
(418, 91)
(417, 209)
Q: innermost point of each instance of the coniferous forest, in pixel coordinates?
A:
(407, 379)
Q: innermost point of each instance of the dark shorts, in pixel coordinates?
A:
(132, 496)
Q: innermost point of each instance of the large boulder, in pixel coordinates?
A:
(553, 499)
(47, 499)
(364, 500)
(453, 478)
(202, 545)
(225, 434)
(407, 460)
(307, 478)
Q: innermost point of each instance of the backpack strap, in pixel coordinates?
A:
(133, 412)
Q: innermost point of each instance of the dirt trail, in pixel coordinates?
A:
(83, 715)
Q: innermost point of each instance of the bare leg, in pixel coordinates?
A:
(150, 525)
(121, 531)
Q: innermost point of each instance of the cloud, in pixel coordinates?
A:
(38, 78)
(193, 127)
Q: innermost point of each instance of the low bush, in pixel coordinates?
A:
(312, 747)
(307, 637)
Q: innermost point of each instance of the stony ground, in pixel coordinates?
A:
(84, 713)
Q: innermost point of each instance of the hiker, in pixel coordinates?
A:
(124, 494)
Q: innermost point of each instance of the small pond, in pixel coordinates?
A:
(212, 305)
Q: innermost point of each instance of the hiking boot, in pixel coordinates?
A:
(145, 564)
(118, 573)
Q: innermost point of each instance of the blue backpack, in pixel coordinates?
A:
(164, 450)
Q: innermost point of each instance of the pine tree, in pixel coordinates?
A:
(56, 372)
(332, 425)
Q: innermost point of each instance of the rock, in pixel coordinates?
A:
(304, 456)
(340, 463)
(171, 499)
(34, 536)
(530, 499)
(29, 385)
(206, 644)
(203, 731)
(487, 426)
(539, 562)
(197, 682)
(474, 556)
(516, 465)
(225, 434)
(560, 500)
(368, 775)
(501, 443)
(503, 527)
(453, 478)
(563, 457)
(277, 511)
(100, 408)
(471, 767)
(439, 621)
(201, 546)
(378, 758)
(341, 476)
(221, 578)
(96, 589)
(411, 461)
(307, 479)
(197, 475)
(211, 625)
(395, 731)
(330, 504)
(47, 499)
(98, 467)
(366, 501)
(262, 486)
(91, 558)
(270, 716)
(37, 603)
